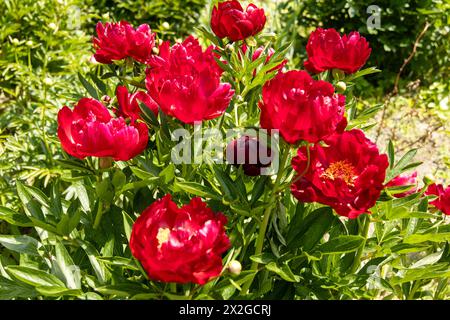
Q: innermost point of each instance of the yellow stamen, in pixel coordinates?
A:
(162, 236)
(343, 170)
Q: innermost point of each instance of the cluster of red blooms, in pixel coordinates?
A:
(342, 169)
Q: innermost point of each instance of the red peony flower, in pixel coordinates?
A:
(230, 20)
(180, 244)
(89, 130)
(301, 107)
(185, 82)
(404, 180)
(117, 41)
(129, 103)
(347, 174)
(443, 200)
(328, 50)
(258, 53)
(249, 152)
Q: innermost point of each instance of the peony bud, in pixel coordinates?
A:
(235, 267)
(341, 86)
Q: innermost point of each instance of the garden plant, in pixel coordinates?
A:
(211, 158)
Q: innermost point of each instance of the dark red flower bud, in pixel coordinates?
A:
(249, 152)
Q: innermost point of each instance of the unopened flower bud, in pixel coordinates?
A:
(235, 267)
(106, 99)
(155, 50)
(52, 25)
(29, 43)
(15, 41)
(341, 86)
(165, 25)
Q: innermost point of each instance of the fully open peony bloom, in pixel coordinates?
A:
(180, 244)
(328, 50)
(117, 41)
(301, 107)
(346, 175)
(90, 130)
(249, 152)
(185, 82)
(129, 103)
(443, 200)
(229, 20)
(405, 179)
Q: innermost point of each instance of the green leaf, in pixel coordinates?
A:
(14, 218)
(58, 291)
(123, 290)
(97, 265)
(65, 268)
(89, 88)
(391, 154)
(362, 73)
(31, 206)
(433, 237)
(21, 244)
(127, 224)
(14, 289)
(312, 229)
(283, 271)
(341, 244)
(402, 165)
(439, 270)
(196, 189)
(34, 277)
(168, 173)
(263, 258)
(82, 195)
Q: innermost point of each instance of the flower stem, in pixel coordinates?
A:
(364, 233)
(266, 218)
(99, 215)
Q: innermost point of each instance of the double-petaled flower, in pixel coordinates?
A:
(347, 174)
(90, 130)
(185, 82)
(301, 108)
(180, 244)
(327, 50)
(117, 41)
(229, 20)
(443, 197)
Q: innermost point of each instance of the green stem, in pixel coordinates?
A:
(364, 233)
(98, 217)
(266, 218)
